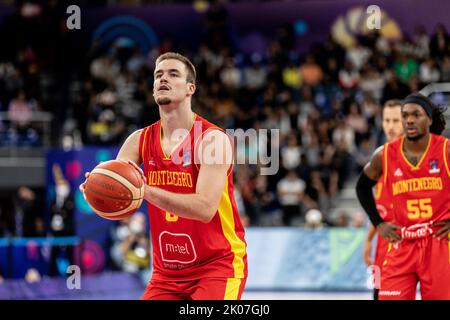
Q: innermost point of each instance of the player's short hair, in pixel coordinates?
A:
(191, 73)
(392, 103)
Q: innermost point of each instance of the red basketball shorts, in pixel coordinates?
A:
(199, 289)
(381, 250)
(425, 260)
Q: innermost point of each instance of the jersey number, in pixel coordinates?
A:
(419, 208)
(171, 217)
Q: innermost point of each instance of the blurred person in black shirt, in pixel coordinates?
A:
(62, 221)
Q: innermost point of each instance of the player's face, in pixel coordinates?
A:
(392, 122)
(415, 120)
(170, 85)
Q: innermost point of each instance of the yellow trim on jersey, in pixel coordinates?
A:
(385, 153)
(160, 143)
(448, 243)
(446, 156)
(144, 132)
(378, 189)
(389, 248)
(168, 157)
(416, 167)
(226, 215)
(232, 289)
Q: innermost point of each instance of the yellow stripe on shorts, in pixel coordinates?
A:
(232, 289)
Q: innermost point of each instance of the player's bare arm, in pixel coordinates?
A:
(444, 231)
(374, 168)
(371, 173)
(203, 204)
(130, 149)
(367, 253)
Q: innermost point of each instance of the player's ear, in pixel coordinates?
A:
(191, 88)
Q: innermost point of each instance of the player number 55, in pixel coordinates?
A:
(419, 208)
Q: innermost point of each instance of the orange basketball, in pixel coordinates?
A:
(114, 189)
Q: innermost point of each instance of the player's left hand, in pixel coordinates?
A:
(443, 232)
(138, 169)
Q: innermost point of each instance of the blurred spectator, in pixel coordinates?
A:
(358, 220)
(372, 82)
(348, 76)
(364, 153)
(405, 68)
(290, 192)
(292, 77)
(265, 203)
(29, 214)
(394, 88)
(241, 207)
(358, 55)
(428, 72)
(20, 112)
(342, 220)
(255, 76)
(357, 122)
(32, 276)
(439, 43)
(290, 154)
(310, 72)
(421, 42)
(131, 246)
(61, 222)
(313, 219)
(105, 68)
(230, 75)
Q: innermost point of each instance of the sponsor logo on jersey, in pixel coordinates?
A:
(434, 166)
(398, 173)
(187, 158)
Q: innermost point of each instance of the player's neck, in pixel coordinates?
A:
(419, 145)
(173, 118)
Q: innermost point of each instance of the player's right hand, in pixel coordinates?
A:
(388, 231)
(368, 253)
(82, 186)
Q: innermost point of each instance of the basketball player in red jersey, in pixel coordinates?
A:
(392, 127)
(199, 250)
(416, 174)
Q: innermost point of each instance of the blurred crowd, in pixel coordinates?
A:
(326, 102)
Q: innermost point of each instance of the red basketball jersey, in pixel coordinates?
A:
(384, 205)
(184, 248)
(419, 193)
(382, 195)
